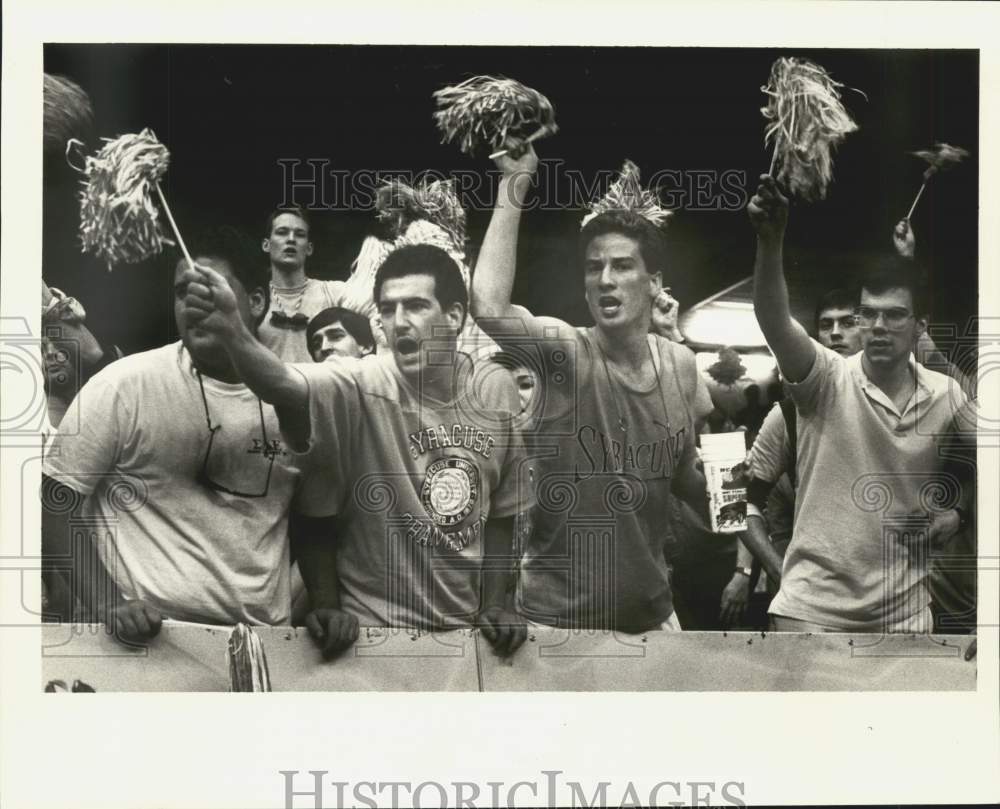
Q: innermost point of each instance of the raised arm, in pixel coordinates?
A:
(69, 314)
(493, 279)
(786, 338)
(211, 304)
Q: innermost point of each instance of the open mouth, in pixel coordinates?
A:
(406, 346)
(609, 305)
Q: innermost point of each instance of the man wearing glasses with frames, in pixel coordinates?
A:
(185, 471)
(867, 424)
(421, 464)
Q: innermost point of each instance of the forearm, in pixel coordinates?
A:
(264, 373)
(743, 556)
(689, 485)
(72, 556)
(770, 291)
(758, 543)
(498, 564)
(315, 546)
(493, 280)
(785, 337)
(91, 351)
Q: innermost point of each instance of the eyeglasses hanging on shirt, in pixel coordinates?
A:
(205, 475)
(296, 322)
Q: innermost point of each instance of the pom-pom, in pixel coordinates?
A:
(118, 220)
(807, 120)
(940, 156)
(373, 252)
(67, 114)
(247, 661)
(423, 231)
(426, 214)
(430, 213)
(398, 204)
(627, 194)
(484, 111)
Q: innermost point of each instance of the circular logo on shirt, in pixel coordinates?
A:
(450, 490)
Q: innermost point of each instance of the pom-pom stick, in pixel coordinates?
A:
(483, 111)
(807, 120)
(939, 157)
(539, 133)
(627, 194)
(247, 661)
(118, 219)
(173, 225)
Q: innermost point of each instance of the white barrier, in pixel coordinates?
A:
(193, 658)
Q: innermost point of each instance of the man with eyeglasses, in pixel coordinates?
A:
(867, 449)
(295, 297)
(421, 464)
(180, 473)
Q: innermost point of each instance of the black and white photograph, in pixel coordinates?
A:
(559, 383)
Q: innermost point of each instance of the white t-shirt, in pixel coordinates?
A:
(134, 441)
(308, 300)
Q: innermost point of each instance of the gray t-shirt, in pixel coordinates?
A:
(413, 482)
(605, 515)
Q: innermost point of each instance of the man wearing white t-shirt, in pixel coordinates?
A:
(868, 433)
(295, 297)
(180, 473)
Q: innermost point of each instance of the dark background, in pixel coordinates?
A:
(229, 113)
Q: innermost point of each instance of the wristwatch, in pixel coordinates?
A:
(744, 570)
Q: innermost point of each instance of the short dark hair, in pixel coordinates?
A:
(895, 272)
(426, 259)
(294, 210)
(840, 298)
(243, 257)
(354, 324)
(513, 356)
(651, 239)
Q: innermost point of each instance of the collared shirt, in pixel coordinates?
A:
(869, 478)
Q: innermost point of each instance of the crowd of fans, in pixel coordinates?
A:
(303, 456)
